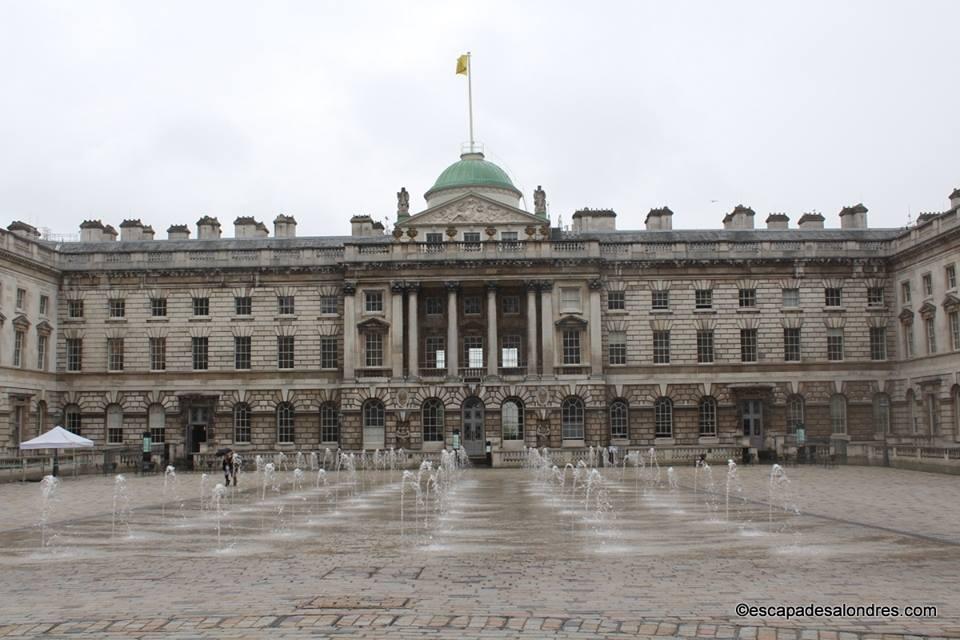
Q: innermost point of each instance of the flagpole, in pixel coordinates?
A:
(470, 95)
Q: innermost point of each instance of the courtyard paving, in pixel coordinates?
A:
(506, 553)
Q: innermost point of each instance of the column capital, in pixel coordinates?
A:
(546, 285)
(595, 283)
(531, 285)
(452, 285)
(412, 286)
(349, 288)
(397, 286)
(491, 286)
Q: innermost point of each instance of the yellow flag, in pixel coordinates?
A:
(463, 65)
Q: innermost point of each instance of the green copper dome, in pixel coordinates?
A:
(472, 171)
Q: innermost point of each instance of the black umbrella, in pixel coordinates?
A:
(224, 451)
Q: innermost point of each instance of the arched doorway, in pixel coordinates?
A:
(472, 436)
(374, 424)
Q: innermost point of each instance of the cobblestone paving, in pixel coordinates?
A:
(510, 556)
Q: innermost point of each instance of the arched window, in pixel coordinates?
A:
(511, 419)
(431, 420)
(618, 420)
(285, 422)
(71, 419)
(41, 417)
(881, 413)
(329, 423)
(114, 424)
(663, 418)
(157, 422)
(794, 413)
(373, 415)
(241, 423)
(571, 418)
(838, 414)
(708, 417)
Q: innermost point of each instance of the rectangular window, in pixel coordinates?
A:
(44, 304)
(285, 305)
(373, 301)
(747, 297)
(616, 300)
(118, 308)
(908, 340)
(201, 306)
(241, 424)
(875, 297)
(434, 352)
(791, 345)
(75, 308)
(510, 352)
(158, 354)
(570, 299)
(835, 344)
(927, 285)
(285, 352)
(471, 237)
(242, 349)
(328, 305)
(18, 338)
(21, 298)
(471, 305)
(661, 347)
(878, 343)
(328, 352)
(905, 292)
(473, 351)
(115, 354)
(931, 335)
(791, 298)
(200, 353)
(434, 238)
(617, 345)
(374, 351)
(833, 297)
(74, 354)
(571, 346)
(243, 305)
(42, 353)
(158, 307)
(748, 345)
(955, 329)
(705, 346)
(660, 300)
(951, 273)
(509, 236)
(511, 305)
(703, 298)
(434, 306)
(329, 423)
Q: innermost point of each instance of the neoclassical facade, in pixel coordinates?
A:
(475, 320)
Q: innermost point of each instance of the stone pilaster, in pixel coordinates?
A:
(413, 334)
(491, 329)
(349, 331)
(453, 351)
(532, 287)
(546, 326)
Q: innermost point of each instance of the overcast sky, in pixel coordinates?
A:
(167, 111)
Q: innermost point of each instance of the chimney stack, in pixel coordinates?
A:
(208, 228)
(854, 217)
(24, 230)
(740, 218)
(955, 199)
(594, 220)
(660, 219)
(810, 221)
(178, 232)
(778, 221)
(91, 231)
(284, 227)
(147, 232)
(131, 230)
(245, 227)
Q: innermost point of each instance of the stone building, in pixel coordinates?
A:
(478, 318)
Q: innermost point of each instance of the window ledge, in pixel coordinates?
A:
(158, 319)
(200, 319)
(707, 311)
(617, 312)
(241, 319)
(791, 310)
(74, 320)
(284, 316)
(328, 316)
(748, 309)
(116, 320)
(660, 312)
(834, 309)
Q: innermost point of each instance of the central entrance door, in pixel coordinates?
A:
(197, 419)
(473, 442)
(752, 412)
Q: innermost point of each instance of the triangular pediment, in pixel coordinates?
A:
(44, 328)
(21, 323)
(471, 209)
(373, 324)
(571, 322)
(928, 310)
(951, 302)
(906, 316)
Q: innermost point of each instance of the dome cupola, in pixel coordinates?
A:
(473, 174)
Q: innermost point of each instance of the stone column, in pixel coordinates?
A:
(532, 286)
(491, 328)
(413, 334)
(546, 325)
(596, 339)
(396, 329)
(453, 351)
(349, 331)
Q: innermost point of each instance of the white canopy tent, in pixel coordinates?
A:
(56, 439)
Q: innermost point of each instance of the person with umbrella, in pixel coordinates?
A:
(229, 466)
